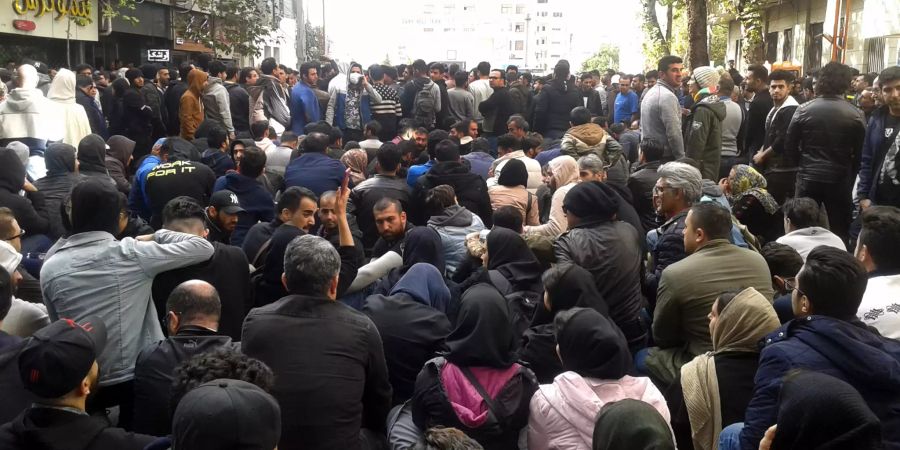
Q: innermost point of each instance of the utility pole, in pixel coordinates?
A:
(324, 35)
(300, 17)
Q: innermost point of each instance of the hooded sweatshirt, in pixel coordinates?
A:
(60, 180)
(69, 120)
(29, 210)
(216, 104)
(191, 111)
(120, 149)
(453, 225)
(703, 138)
(24, 118)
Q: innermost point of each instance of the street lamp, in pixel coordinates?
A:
(527, 35)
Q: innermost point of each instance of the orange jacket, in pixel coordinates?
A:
(191, 110)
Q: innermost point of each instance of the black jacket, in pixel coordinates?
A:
(15, 398)
(30, 210)
(95, 117)
(412, 334)
(172, 103)
(331, 379)
(56, 187)
(594, 104)
(154, 372)
(780, 161)
(608, 252)
(828, 132)
(364, 197)
(228, 271)
(756, 121)
(471, 191)
(256, 238)
(496, 110)
(641, 184)
(556, 102)
(50, 428)
(239, 102)
(174, 179)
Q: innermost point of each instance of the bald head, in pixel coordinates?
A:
(194, 302)
(26, 76)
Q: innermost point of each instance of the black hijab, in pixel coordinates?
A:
(630, 424)
(513, 174)
(423, 245)
(483, 336)
(818, 411)
(92, 155)
(12, 171)
(568, 286)
(509, 254)
(591, 345)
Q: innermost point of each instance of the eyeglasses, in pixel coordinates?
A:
(21, 233)
(791, 284)
(660, 189)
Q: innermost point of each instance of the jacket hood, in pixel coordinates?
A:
(448, 168)
(422, 82)
(92, 154)
(452, 216)
(45, 429)
(12, 171)
(120, 148)
(60, 159)
(212, 82)
(589, 133)
(196, 78)
(62, 89)
(25, 101)
(714, 104)
(182, 150)
(240, 184)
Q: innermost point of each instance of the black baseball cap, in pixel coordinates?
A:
(226, 201)
(226, 414)
(57, 357)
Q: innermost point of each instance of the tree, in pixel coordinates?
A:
(233, 26)
(605, 58)
(315, 42)
(750, 14)
(698, 50)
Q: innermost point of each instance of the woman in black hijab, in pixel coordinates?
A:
(421, 245)
(818, 411)
(567, 286)
(477, 387)
(595, 354)
(516, 273)
(631, 424)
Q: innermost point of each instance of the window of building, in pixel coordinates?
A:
(520, 45)
(772, 47)
(276, 53)
(505, 9)
(520, 9)
(449, 30)
(428, 30)
(520, 27)
(814, 49)
(554, 56)
(557, 14)
(469, 8)
(542, 1)
(555, 29)
(787, 46)
(542, 14)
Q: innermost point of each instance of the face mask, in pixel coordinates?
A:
(355, 77)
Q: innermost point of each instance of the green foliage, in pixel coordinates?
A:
(232, 26)
(718, 43)
(315, 42)
(605, 58)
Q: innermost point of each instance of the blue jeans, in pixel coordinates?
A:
(640, 361)
(730, 437)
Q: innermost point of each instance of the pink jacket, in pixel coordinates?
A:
(563, 413)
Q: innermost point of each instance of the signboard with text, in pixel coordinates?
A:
(51, 18)
(158, 55)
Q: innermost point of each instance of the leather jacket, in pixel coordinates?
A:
(828, 132)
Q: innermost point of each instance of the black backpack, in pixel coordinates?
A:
(521, 304)
(425, 107)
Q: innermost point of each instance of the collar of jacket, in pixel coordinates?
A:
(661, 82)
(86, 238)
(675, 218)
(195, 330)
(594, 223)
(789, 328)
(649, 165)
(713, 244)
(212, 224)
(883, 273)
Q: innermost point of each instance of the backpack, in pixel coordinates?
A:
(521, 304)
(425, 107)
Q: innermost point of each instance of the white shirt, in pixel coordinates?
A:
(880, 306)
(806, 239)
(481, 90)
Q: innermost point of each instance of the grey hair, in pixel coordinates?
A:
(592, 163)
(310, 262)
(519, 121)
(685, 177)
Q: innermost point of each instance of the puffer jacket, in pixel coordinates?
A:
(443, 396)
(590, 138)
(703, 137)
(608, 251)
(828, 132)
(453, 225)
(845, 350)
(553, 106)
(57, 185)
(563, 413)
(666, 249)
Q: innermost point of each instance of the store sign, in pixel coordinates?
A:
(158, 55)
(75, 19)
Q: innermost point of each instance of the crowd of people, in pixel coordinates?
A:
(427, 257)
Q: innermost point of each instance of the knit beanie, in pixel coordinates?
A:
(591, 201)
(706, 77)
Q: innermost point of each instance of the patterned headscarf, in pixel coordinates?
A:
(747, 181)
(356, 160)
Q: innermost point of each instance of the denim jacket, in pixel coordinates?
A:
(93, 274)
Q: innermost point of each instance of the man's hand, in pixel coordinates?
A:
(28, 187)
(340, 205)
(766, 442)
(144, 238)
(864, 204)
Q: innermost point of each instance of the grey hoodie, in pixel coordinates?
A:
(216, 104)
